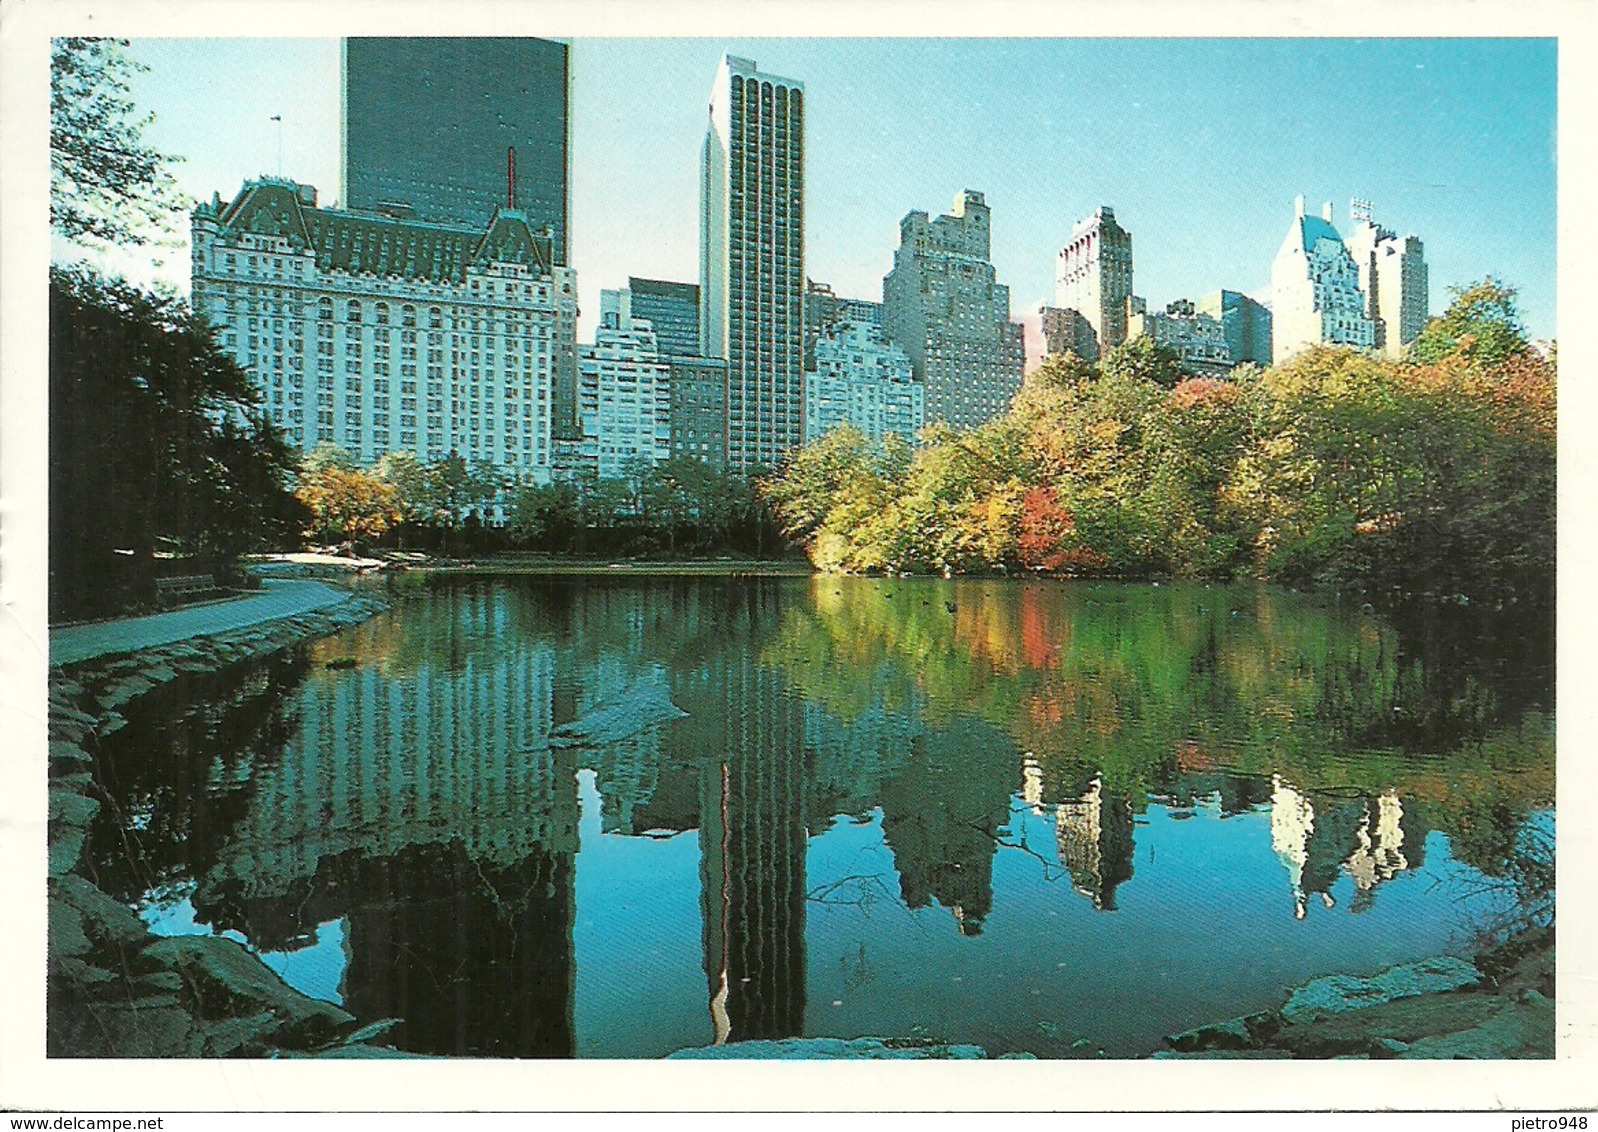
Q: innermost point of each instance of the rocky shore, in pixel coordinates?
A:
(115, 990)
(1501, 1005)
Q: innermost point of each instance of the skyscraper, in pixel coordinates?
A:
(428, 125)
(624, 392)
(942, 304)
(672, 309)
(1093, 276)
(427, 131)
(1392, 273)
(752, 250)
(1315, 289)
(1245, 321)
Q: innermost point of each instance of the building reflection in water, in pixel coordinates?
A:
(1370, 840)
(1092, 834)
(432, 812)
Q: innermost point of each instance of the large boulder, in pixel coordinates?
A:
(226, 981)
(1338, 994)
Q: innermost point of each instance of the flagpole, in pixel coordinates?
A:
(278, 118)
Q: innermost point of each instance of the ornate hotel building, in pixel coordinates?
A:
(1315, 290)
(382, 334)
(752, 258)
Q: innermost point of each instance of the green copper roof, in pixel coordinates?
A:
(373, 244)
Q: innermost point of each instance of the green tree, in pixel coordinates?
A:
(107, 185)
(157, 442)
(1481, 324)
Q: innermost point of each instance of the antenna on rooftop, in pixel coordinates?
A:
(1360, 210)
(510, 177)
(278, 118)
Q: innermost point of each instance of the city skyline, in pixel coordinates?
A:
(1451, 139)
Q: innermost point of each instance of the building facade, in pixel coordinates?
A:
(1245, 322)
(1066, 331)
(1093, 276)
(752, 252)
(380, 334)
(699, 409)
(1315, 290)
(823, 308)
(864, 381)
(672, 309)
(942, 304)
(1393, 275)
(624, 392)
(1198, 339)
(428, 125)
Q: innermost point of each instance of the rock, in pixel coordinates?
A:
(1221, 1054)
(832, 1049)
(1402, 1021)
(1518, 1030)
(227, 982)
(1236, 1033)
(1337, 994)
(108, 924)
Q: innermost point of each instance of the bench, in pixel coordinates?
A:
(169, 591)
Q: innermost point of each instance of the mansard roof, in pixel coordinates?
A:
(370, 243)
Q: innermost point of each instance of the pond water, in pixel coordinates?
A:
(1060, 818)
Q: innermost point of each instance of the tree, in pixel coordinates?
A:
(346, 504)
(157, 443)
(106, 184)
(1142, 359)
(1481, 324)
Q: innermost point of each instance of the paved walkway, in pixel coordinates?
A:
(280, 598)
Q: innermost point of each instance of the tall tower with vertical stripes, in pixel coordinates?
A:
(752, 252)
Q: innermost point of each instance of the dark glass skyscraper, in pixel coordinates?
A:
(673, 310)
(428, 125)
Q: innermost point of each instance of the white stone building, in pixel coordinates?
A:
(943, 305)
(1198, 339)
(1315, 290)
(864, 381)
(1393, 275)
(623, 392)
(379, 334)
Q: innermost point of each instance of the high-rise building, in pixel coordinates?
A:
(380, 334)
(1093, 276)
(941, 303)
(1245, 322)
(672, 309)
(864, 381)
(1315, 289)
(624, 392)
(428, 125)
(752, 252)
(1393, 275)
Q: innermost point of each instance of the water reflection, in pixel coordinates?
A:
(427, 799)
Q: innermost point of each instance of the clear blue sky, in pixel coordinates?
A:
(1199, 145)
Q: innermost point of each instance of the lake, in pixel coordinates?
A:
(617, 817)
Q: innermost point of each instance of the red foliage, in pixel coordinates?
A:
(1045, 525)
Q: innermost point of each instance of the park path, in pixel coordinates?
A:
(279, 598)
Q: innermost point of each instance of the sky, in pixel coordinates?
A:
(1200, 146)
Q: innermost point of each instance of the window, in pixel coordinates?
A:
(352, 313)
